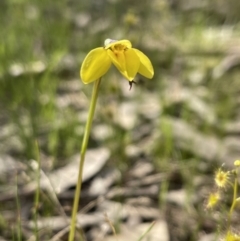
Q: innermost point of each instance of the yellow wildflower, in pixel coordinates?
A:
(213, 199)
(131, 19)
(231, 237)
(129, 61)
(237, 163)
(221, 178)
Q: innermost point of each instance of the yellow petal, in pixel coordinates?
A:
(95, 65)
(118, 59)
(132, 63)
(127, 62)
(146, 68)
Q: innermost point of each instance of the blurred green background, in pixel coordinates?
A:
(43, 45)
(185, 118)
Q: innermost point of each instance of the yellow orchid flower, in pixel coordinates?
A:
(129, 61)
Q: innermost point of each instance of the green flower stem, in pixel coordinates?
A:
(235, 190)
(82, 157)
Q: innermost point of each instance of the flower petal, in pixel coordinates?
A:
(118, 59)
(146, 68)
(95, 65)
(127, 62)
(132, 63)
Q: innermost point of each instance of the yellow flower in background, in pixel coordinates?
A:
(231, 237)
(129, 61)
(237, 163)
(221, 178)
(213, 199)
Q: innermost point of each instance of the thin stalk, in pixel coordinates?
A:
(19, 225)
(147, 231)
(235, 190)
(37, 194)
(82, 158)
